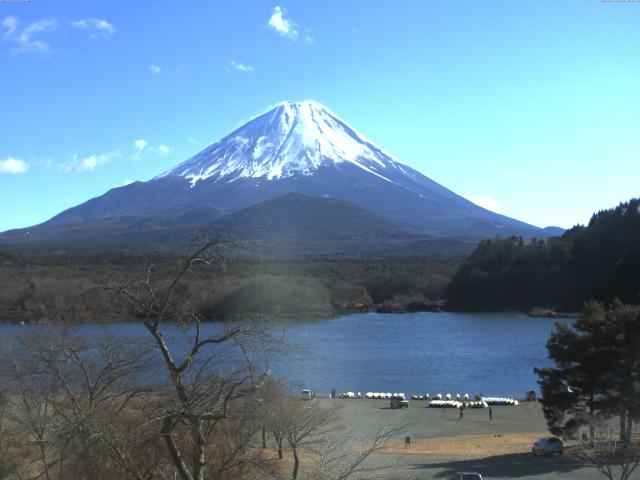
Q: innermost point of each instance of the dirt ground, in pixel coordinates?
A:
(442, 444)
(467, 446)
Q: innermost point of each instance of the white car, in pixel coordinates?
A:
(548, 446)
(466, 476)
(307, 394)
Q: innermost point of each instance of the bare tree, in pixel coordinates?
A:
(614, 459)
(305, 423)
(72, 398)
(6, 465)
(203, 390)
(339, 457)
(272, 411)
(316, 436)
(99, 407)
(35, 417)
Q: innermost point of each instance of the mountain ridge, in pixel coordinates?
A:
(297, 147)
(298, 216)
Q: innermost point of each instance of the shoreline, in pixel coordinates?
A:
(292, 319)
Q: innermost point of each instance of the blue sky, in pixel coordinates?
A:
(528, 107)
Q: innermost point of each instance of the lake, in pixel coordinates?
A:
(414, 353)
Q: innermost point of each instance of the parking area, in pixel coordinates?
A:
(442, 443)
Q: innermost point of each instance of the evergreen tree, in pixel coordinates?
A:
(600, 261)
(624, 373)
(597, 370)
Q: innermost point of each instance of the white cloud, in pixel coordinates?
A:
(88, 163)
(96, 27)
(485, 201)
(140, 144)
(155, 69)
(13, 166)
(286, 27)
(23, 38)
(125, 183)
(11, 24)
(283, 26)
(241, 67)
(164, 148)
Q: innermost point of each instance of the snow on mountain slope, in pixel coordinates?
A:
(293, 138)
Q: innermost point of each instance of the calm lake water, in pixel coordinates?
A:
(414, 353)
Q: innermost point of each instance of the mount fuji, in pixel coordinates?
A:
(300, 148)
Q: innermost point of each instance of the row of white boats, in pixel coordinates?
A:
(457, 404)
(484, 402)
(439, 400)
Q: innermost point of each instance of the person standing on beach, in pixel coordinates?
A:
(490, 415)
(461, 412)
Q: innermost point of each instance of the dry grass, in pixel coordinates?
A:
(467, 446)
(285, 466)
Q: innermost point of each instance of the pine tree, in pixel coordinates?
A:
(596, 373)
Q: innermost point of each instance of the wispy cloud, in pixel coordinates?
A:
(285, 26)
(86, 164)
(12, 165)
(140, 144)
(143, 149)
(23, 38)
(155, 69)
(28, 38)
(239, 66)
(139, 150)
(485, 201)
(96, 27)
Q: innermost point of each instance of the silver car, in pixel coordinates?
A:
(548, 446)
(466, 476)
(399, 402)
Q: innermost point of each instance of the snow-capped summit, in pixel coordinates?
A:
(292, 138)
